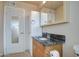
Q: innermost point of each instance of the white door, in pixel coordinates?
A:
(14, 30)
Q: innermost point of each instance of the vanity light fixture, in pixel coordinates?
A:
(44, 2)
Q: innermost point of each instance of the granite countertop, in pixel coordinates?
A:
(48, 42)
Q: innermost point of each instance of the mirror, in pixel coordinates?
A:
(15, 29)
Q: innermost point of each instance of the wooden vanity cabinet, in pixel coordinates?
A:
(39, 50)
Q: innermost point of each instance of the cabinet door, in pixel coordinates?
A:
(43, 18)
(47, 16)
(34, 48)
(51, 16)
(40, 50)
(60, 14)
(58, 48)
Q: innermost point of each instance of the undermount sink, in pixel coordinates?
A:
(42, 38)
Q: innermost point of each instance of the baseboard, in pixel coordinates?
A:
(1, 54)
(29, 51)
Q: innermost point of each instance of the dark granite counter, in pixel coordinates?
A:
(48, 42)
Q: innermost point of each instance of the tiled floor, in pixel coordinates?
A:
(20, 54)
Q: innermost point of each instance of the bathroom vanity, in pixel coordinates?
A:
(43, 45)
(43, 50)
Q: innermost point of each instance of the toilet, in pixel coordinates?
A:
(54, 53)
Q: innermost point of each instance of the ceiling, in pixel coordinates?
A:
(34, 2)
(48, 4)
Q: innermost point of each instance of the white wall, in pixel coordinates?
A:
(28, 8)
(70, 30)
(1, 28)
